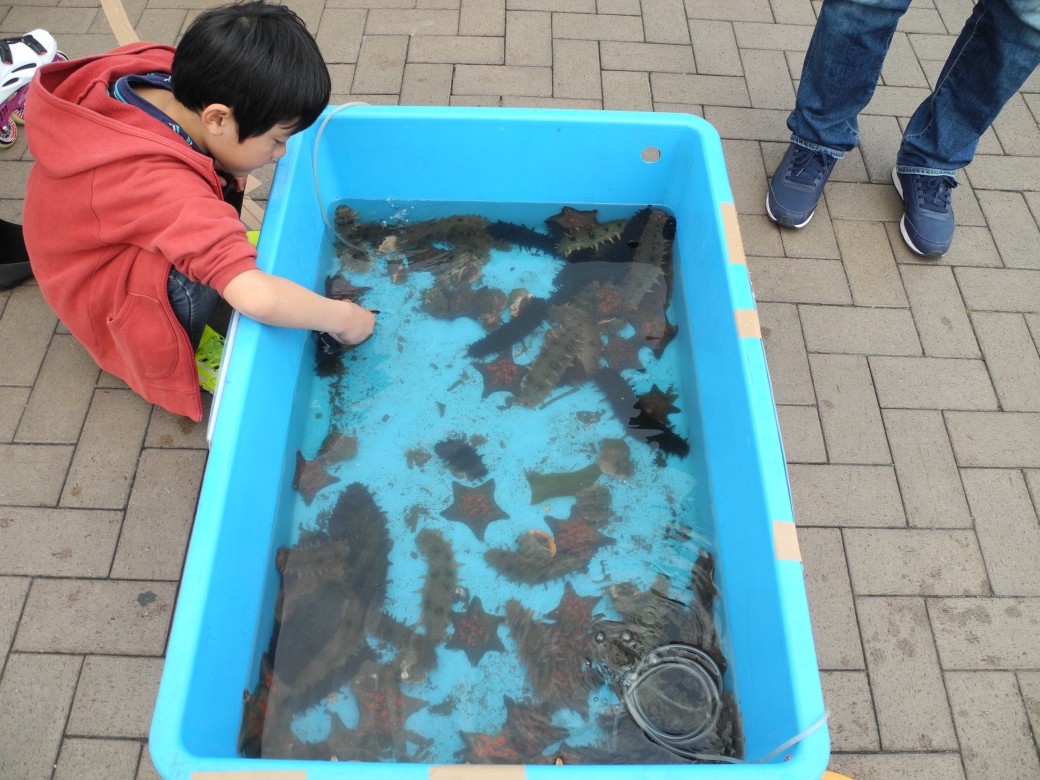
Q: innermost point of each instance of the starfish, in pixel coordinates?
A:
(573, 221)
(475, 507)
(310, 477)
(501, 374)
(576, 537)
(622, 353)
(340, 288)
(658, 404)
(476, 632)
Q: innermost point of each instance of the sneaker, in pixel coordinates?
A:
(927, 223)
(797, 185)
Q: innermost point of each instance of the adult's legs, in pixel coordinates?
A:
(841, 70)
(997, 50)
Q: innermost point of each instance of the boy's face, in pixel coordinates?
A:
(240, 158)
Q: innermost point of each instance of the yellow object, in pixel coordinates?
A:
(207, 358)
(828, 775)
(253, 236)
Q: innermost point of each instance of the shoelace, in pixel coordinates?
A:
(807, 166)
(933, 192)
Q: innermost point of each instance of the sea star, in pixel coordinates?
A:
(476, 632)
(622, 353)
(311, 477)
(573, 220)
(501, 374)
(658, 404)
(576, 537)
(475, 507)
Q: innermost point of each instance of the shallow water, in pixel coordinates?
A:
(492, 533)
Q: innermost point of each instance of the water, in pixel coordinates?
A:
(500, 512)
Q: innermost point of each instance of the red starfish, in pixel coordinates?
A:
(475, 507)
(576, 537)
(502, 374)
(476, 632)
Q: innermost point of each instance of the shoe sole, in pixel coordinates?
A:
(902, 222)
(787, 222)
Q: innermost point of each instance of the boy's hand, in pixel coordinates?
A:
(356, 326)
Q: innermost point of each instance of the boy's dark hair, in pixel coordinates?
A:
(257, 59)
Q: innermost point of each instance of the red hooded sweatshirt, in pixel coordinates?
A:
(115, 198)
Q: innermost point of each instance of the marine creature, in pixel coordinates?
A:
(572, 220)
(339, 288)
(566, 483)
(438, 591)
(615, 459)
(476, 632)
(511, 332)
(382, 711)
(657, 404)
(502, 374)
(637, 423)
(561, 346)
(577, 537)
(521, 235)
(310, 477)
(475, 506)
(461, 458)
(254, 712)
(591, 239)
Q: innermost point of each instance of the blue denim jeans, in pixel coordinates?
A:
(192, 303)
(997, 50)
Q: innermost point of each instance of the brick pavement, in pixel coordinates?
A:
(908, 392)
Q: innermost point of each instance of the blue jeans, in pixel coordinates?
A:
(995, 53)
(192, 303)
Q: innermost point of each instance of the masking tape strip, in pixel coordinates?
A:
(785, 541)
(115, 13)
(747, 323)
(260, 774)
(732, 230)
(478, 772)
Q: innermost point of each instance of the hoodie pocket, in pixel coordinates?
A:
(146, 339)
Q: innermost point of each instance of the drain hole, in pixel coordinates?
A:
(651, 154)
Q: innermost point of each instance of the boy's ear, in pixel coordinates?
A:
(217, 118)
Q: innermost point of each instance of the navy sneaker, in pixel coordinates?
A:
(927, 223)
(797, 185)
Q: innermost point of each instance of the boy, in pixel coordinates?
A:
(127, 222)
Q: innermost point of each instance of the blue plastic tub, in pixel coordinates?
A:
(500, 156)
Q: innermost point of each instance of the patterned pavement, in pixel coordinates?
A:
(908, 391)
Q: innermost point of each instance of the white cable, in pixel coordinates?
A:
(314, 160)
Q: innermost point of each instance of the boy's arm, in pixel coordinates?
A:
(273, 300)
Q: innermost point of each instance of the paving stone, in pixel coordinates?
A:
(747, 176)
(715, 48)
(626, 91)
(901, 68)
(664, 21)
(502, 80)
(758, 35)
(689, 88)
(384, 21)
(1013, 228)
(995, 439)
(630, 7)
(880, 137)
(173, 430)
(928, 476)
(33, 473)
(340, 33)
(146, 770)
(767, 79)
(482, 17)
(13, 401)
(106, 456)
(864, 202)
(992, 725)
(938, 311)
(380, 64)
(761, 237)
(568, 6)
(831, 606)
(35, 694)
(1011, 359)
(758, 124)
(1006, 524)
(794, 12)
(986, 289)
(899, 766)
(1029, 682)
(621, 55)
(915, 562)
(869, 264)
(12, 598)
(576, 69)
(426, 85)
(97, 759)
(802, 434)
(859, 330)
(96, 616)
(528, 38)
(932, 383)
(57, 542)
(159, 515)
(851, 711)
(596, 27)
(819, 241)
(896, 101)
(451, 49)
(846, 495)
(61, 394)
(849, 411)
(161, 25)
(54, 20)
(905, 678)
(26, 328)
(993, 172)
(735, 10)
(1016, 127)
(972, 246)
(785, 353)
(986, 633)
(115, 697)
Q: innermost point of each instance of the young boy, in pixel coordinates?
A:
(126, 220)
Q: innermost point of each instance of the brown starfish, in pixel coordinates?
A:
(574, 221)
(658, 404)
(475, 507)
(311, 477)
(476, 632)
